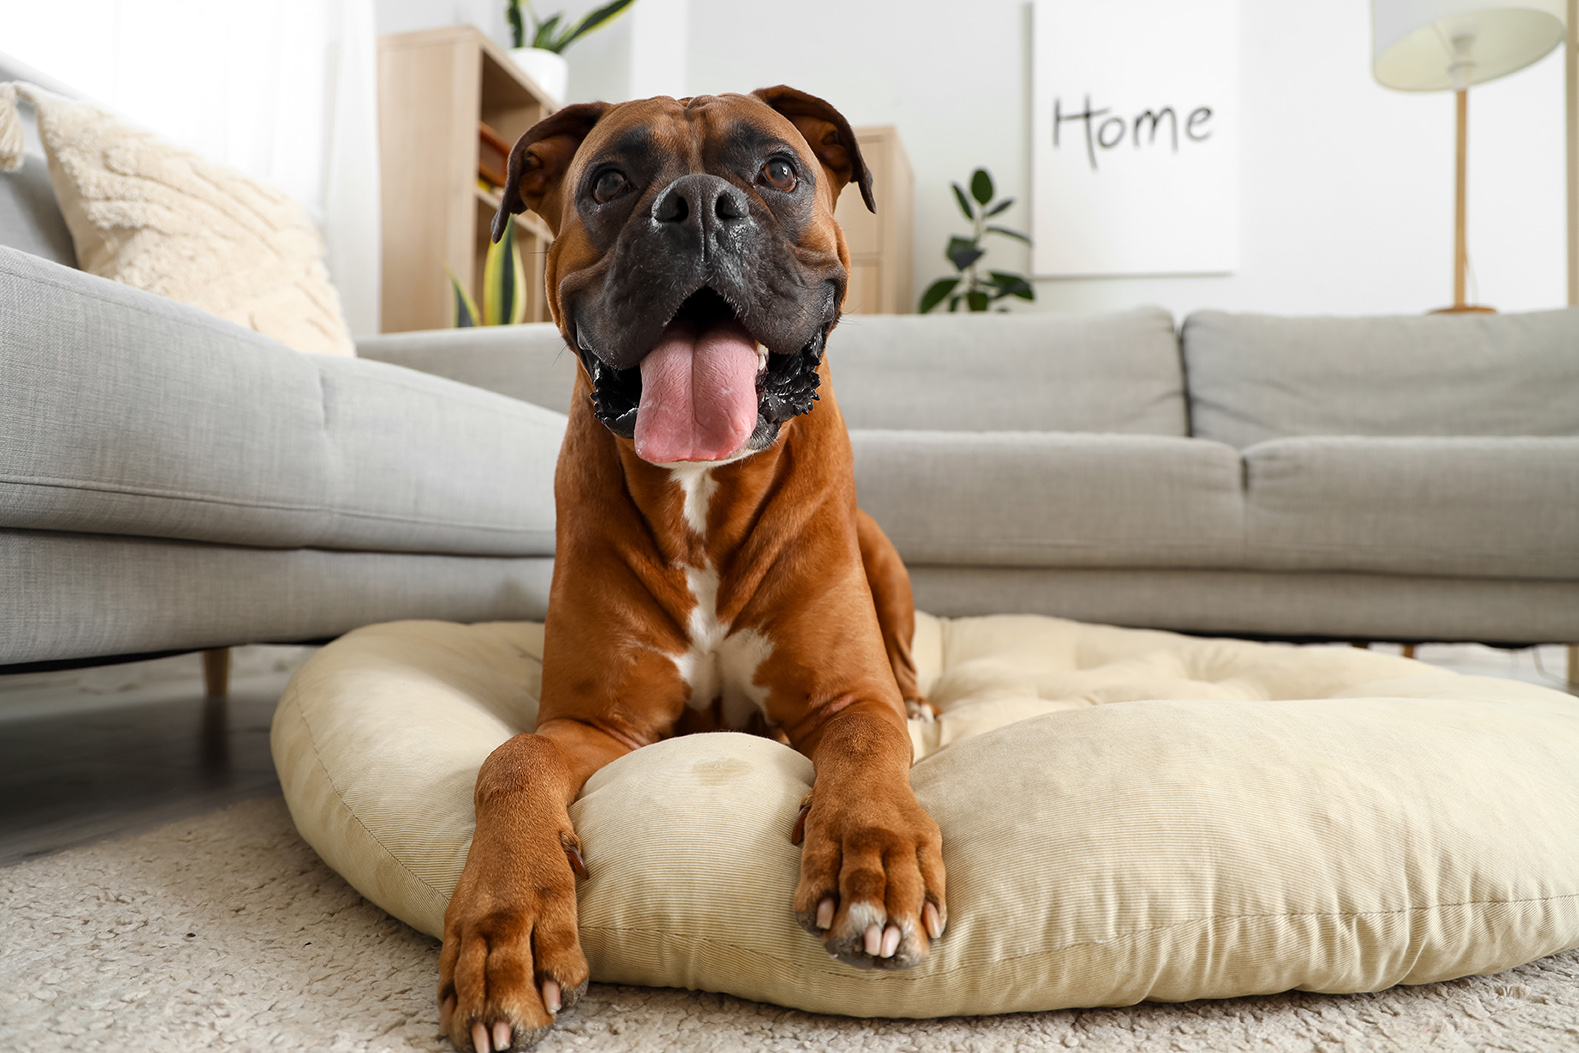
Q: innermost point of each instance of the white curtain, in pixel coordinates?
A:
(284, 90)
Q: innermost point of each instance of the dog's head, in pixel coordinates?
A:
(696, 266)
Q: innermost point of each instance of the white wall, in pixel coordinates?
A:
(404, 16)
(1347, 188)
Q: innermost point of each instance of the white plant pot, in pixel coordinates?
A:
(547, 68)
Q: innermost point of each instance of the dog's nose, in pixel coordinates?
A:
(700, 204)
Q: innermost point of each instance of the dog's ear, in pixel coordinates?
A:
(829, 135)
(539, 160)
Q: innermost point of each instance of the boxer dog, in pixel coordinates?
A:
(711, 568)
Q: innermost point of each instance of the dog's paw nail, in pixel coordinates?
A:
(890, 941)
(480, 1038)
(577, 863)
(551, 996)
(798, 831)
(932, 920)
(825, 914)
(446, 1010)
(501, 1036)
(874, 939)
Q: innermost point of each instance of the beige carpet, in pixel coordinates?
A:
(227, 932)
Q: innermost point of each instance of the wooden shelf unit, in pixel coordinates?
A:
(880, 244)
(434, 85)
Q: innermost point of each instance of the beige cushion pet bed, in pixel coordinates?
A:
(1126, 815)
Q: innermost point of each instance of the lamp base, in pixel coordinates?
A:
(1464, 308)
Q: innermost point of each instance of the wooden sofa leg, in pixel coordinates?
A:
(1409, 650)
(216, 672)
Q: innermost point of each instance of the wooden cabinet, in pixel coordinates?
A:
(434, 86)
(880, 244)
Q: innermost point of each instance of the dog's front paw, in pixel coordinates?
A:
(512, 959)
(871, 878)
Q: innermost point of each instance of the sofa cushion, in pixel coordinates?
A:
(1460, 507)
(528, 361)
(1052, 499)
(125, 413)
(157, 217)
(29, 218)
(1125, 816)
(1255, 377)
(1007, 372)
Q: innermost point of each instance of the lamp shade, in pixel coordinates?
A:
(1438, 45)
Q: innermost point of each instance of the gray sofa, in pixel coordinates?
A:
(1407, 479)
(170, 481)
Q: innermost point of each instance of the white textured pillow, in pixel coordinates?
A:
(1126, 815)
(154, 216)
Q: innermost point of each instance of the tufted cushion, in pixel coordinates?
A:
(1126, 815)
(154, 216)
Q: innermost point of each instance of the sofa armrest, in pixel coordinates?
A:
(528, 362)
(125, 413)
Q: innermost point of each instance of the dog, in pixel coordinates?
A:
(711, 568)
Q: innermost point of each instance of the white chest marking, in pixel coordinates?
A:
(697, 483)
(718, 664)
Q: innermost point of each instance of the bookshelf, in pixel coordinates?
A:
(434, 86)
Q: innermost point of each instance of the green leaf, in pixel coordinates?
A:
(518, 280)
(999, 207)
(1006, 232)
(935, 293)
(978, 300)
(504, 279)
(964, 205)
(512, 14)
(465, 306)
(981, 186)
(497, 279)
(594, 19)
(962, 252)
(953, 301)
(1012, 285)
(543, 36)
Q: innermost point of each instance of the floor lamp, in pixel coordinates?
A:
(1447, 45)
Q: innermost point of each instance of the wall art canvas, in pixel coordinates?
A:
(1135, 137)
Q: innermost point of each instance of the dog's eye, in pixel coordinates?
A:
(778, 174)
(610, 184)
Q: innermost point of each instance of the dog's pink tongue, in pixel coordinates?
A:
(698, 394)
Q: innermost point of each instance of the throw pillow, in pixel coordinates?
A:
(164, 219)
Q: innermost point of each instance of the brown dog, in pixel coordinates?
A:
(711, 568)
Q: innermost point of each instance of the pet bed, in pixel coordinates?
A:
(1126, 815)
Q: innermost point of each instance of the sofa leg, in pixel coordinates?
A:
(1573, 665)
(1409, 650)
(216, 672)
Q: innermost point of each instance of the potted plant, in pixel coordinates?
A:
(978, 293)
(539, 43)
(503, 285)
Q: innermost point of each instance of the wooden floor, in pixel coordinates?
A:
(130, 761)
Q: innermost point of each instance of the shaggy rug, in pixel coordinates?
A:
(227, 932)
